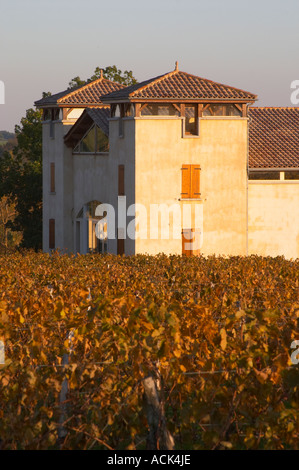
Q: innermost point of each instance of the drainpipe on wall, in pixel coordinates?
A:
(247, 178)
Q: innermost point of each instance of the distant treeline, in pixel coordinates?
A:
(5, 135)
(7, 141)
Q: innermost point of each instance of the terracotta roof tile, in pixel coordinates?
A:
(89, 94)
(273, 137)
(181, 86)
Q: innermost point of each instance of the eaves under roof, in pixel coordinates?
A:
(273, 137)
(89, 94)
(177, 85)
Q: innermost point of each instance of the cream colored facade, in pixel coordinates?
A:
(223, 180)
(273, 218)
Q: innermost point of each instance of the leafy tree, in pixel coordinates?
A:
(111, 73)
(21, 178)
(8, 238)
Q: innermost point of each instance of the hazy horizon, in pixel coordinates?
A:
(251, 45)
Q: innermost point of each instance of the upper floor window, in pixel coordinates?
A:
(264, 175)
(222, 110)
(51, 114)
(157, 109)
(191, 119)
(291, 175)
(273, 175)
(94, 141)
(122, 110)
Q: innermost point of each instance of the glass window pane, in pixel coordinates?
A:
(264, 175)
(232, 110)
(129, 110)
(88, 142)
(222, 110)
(216, 109)
(291, 175)
(207, 112)
(190, 123)
(102, 142)
(159, 110)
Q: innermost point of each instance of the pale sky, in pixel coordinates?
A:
(249, 44)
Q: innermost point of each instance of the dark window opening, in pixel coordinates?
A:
(264, 175)
(156, 109)
(222, 110)
(191, 120)
(94, 141)
(291, 175)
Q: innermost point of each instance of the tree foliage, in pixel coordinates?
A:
(216, 332)
(9, 239)
(110, 73)
(21, 178)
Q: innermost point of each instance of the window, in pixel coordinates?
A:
(191, 120)
(94, 141)
(157, 109)
(291, 175)
(117, 110)
(264, 175)
(102, 141)
(52, 177)
(47, 114)
(129, 110)
(190, 182)
(222, 110)
(52, 234)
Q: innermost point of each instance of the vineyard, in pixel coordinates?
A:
(106, 352)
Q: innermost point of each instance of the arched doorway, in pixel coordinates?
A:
(86, 240)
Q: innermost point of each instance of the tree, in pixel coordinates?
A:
(21, 179)
(111, 73)
(8, 238)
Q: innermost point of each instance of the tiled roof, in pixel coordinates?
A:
(273, 137)
(181, 86)
(89, 94)
(99, 116)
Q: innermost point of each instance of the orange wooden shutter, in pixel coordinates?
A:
(52, 171)
(52, 234)
(121, 180)
(186, 181)
(195, 181)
